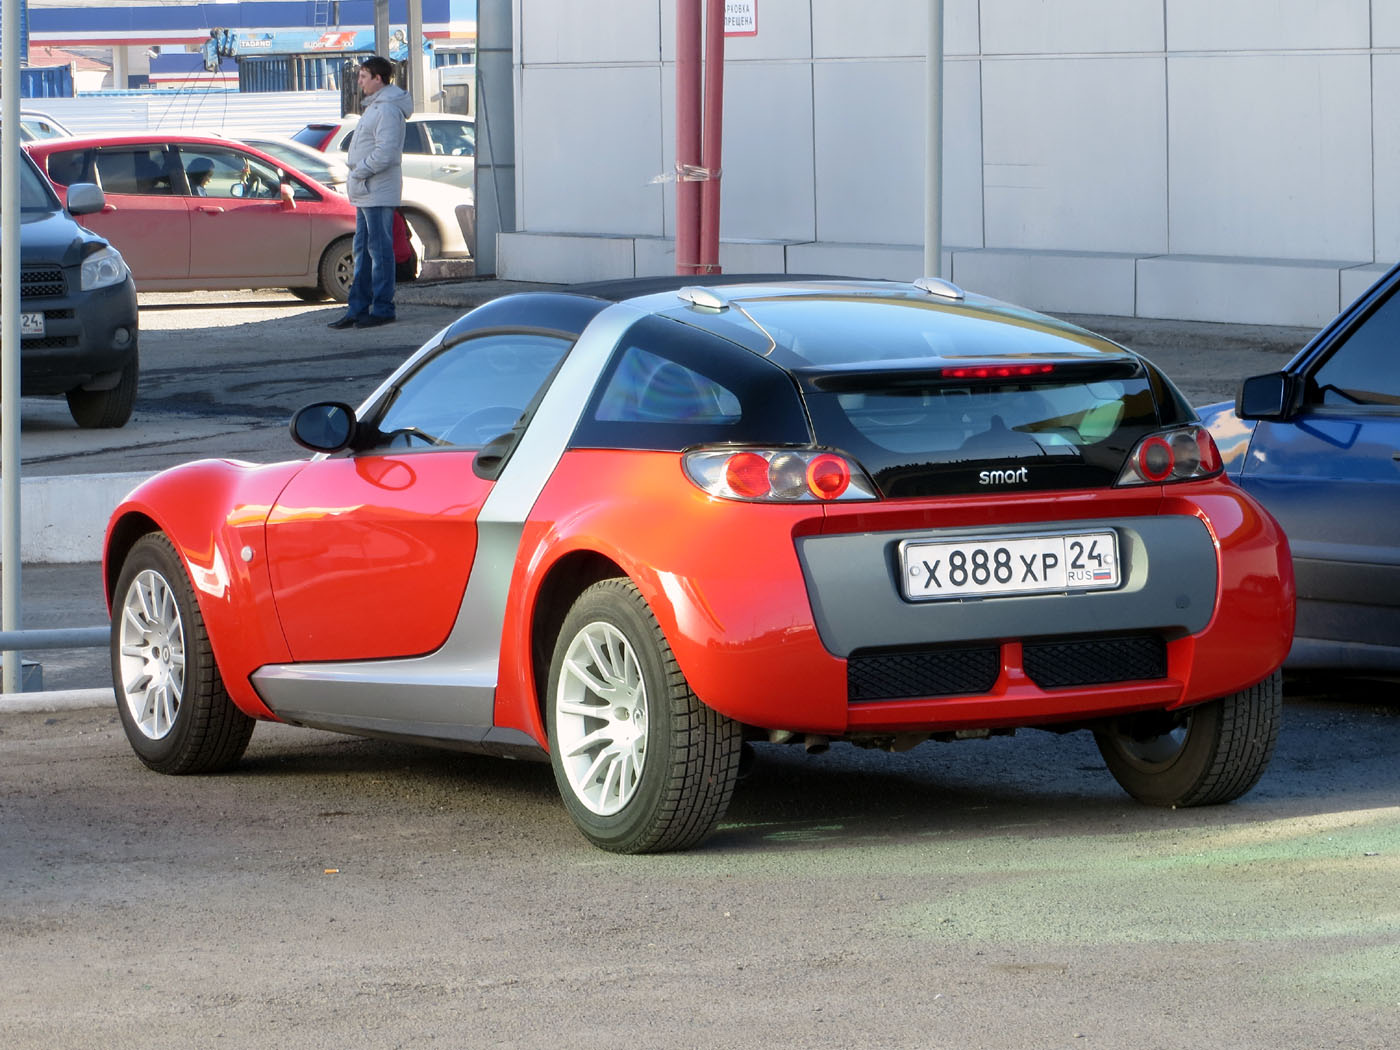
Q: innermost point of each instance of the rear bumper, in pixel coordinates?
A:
(1206, 609)
(81, 343)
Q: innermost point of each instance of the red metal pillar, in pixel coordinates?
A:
(688, 13)
(712, 136)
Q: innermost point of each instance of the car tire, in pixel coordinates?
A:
(337, 270)
(427, 233)
(643, 766)
(1211, 753)
(107, 409)
(173, 705)
(309, 295)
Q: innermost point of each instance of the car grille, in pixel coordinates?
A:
(1095, 661)
(54, 340)
(38, 282)
(907, 673)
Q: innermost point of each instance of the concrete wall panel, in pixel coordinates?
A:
(870, 152)
(573, 32)
(590, 148)
(1270, 156)
(885, 28)
(1075, 154)
(1037, 27)
(1385, 138)
(768, 186)
(1269, 25)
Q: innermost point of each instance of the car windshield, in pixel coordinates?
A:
(34, 192)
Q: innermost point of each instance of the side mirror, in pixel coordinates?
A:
(1272, 396)
(327, 426)
(84, 198)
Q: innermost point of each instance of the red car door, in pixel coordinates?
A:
(145, 217)
(238, 224)
(370, 555)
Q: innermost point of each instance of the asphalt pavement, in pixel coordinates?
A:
(72, 478)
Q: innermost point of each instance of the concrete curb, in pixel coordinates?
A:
(57, 700)
(62, 519)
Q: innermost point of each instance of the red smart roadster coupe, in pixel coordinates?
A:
(629, 528)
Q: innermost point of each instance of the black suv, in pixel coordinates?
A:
(78, 325)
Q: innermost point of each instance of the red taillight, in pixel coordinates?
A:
(1180, 454)
(747, 474)
(828, 477)
(1155, 459)
(777, 475)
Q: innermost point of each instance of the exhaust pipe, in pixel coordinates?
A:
(815, 743)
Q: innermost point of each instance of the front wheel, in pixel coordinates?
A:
(1208, 754)
(337, 270)
(105, 409)
(177, 715)
(643, 766)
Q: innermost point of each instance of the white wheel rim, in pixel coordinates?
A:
(152, 661)
(600, 718)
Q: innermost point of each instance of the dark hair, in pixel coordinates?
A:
(379, 67)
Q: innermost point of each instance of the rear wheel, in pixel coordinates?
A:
(1210, 753)
(338, 270)
(643, 766)
(93, 409)
(177, 715)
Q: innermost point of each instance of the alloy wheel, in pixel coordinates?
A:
(601, 718)
(152, 654)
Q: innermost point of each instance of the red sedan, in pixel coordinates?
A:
(192, 212)
(633, 529)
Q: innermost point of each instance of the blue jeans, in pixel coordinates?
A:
(372, 289)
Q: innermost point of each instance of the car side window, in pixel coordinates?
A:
(647, 388)
(66, 167)
(468, 393)
(670, 386)
(1361, 369)
(449, 138)
(227, 173)
(414, 141)
(141, 170)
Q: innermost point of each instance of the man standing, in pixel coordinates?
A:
(375, 189)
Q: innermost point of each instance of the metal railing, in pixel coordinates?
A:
(55, 638)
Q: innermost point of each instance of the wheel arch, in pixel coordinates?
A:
(566, 579)
(212, 511)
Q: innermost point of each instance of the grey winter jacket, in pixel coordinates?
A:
(376, 150)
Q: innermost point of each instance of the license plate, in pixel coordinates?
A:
(1000, 565)
(31, 325)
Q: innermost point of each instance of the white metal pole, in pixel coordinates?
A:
(417, 67)
(9, 339)
(933, 146)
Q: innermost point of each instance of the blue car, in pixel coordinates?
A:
(1319, 445)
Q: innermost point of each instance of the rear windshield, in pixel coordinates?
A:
(313, 135)
(926, 438)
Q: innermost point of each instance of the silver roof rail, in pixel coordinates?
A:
(941, 287)
(704, 297)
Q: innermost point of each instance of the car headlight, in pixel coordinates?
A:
(103, 268)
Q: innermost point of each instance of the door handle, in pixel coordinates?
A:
(211, 209)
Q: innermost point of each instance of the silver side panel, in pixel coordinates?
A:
(450, 694)
(1169, 569)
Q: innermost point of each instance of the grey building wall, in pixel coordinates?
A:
(1209, 159)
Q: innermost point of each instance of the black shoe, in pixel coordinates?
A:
(373, 321)
(344, 322)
